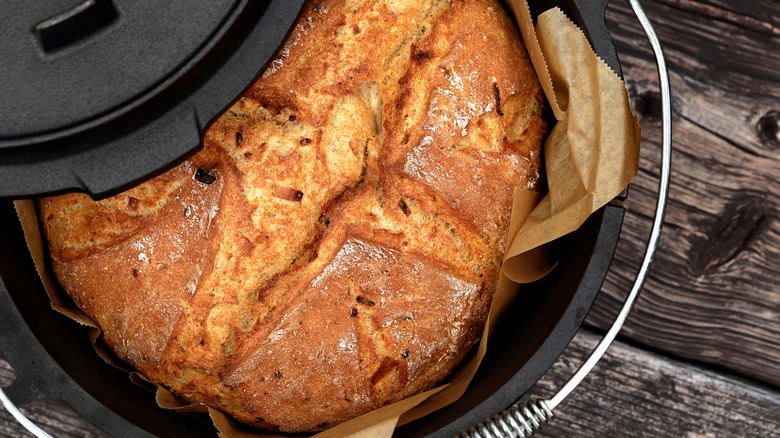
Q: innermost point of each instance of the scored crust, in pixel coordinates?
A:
(335, 245)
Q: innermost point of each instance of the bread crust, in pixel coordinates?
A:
(335, 245)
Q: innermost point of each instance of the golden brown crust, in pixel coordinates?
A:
(335, 245)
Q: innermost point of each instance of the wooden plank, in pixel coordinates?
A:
(633, 392)
(714, 292)
(6, 373)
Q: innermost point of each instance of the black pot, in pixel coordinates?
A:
(52, 357)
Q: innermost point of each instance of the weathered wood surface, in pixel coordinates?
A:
(637, 393)
(713, 294)
(713, 297)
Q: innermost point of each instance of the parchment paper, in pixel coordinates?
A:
(591, 155)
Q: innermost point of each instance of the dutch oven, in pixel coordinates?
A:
(94, 134)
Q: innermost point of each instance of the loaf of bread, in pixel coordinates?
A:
(335, 244)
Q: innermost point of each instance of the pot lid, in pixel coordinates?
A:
(98, 94)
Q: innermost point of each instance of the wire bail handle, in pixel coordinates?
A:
(523, 420)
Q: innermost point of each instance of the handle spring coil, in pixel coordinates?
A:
(519, 421)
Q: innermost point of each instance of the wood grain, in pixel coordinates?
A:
(633, 392)
(713, 294)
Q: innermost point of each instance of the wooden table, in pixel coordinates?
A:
(700, 354)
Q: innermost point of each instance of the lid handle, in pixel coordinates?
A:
(75, 24)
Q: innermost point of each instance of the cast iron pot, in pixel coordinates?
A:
(52, 356)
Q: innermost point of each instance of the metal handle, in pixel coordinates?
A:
(24, 421)
(523, 420)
